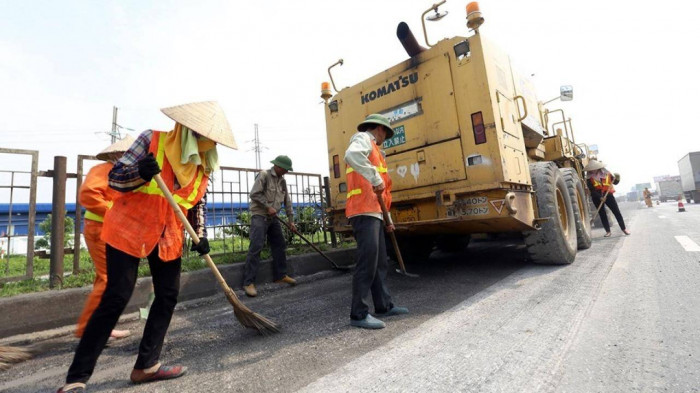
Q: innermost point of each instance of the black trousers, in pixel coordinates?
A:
(262, 227)
(611, 203)
(371, 269)
(122, 271)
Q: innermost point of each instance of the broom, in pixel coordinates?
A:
(10, 355)
(602, 202)
(335, 265)
(245, 316)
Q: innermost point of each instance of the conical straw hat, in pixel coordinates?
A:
(205, 118)
(593, 165)
(117, 147)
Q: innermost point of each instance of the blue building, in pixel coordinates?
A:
(219, 213)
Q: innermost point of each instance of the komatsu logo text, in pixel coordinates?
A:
(401, 81)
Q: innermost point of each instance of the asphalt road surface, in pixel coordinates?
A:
(623, 317)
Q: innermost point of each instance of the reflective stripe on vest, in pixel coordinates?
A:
(380, 169)
(142, 219)
(357, 191)
(603, 185)
(360, 197)
(93, 216)
(153, 189)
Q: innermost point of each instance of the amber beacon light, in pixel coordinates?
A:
(474, 18)
(326, 91)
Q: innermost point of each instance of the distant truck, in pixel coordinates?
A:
(669, 188)
(689, 168)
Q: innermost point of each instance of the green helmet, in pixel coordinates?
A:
(283, 162)
(376, 118)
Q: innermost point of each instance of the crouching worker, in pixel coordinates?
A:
(268, 194)
(367, 177)
(96, 197)
(141, 224)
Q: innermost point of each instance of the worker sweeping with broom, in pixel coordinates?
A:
(600, 182)
(141, 224)
(97, 197)
(367, 179)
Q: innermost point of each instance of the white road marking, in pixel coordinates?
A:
(662, 216)
(687, 243)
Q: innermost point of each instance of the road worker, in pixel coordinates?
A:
(141, 224)
(268, 194)
(367, 177)
(647, 197)
(600, 182)
(96, 197)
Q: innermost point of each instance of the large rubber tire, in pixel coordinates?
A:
(579, 203)
(555, 242)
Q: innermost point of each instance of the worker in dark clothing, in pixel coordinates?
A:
(267, 196)
(600, 182)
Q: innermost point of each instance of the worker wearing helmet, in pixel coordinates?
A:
(267, 196)
(96, 197)
(367, 177)
(141, 224)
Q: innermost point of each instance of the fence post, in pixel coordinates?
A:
(58, 217)
(31, 225)
(327, 188)
(77, 229)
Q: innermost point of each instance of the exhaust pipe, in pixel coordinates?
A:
(404, 34)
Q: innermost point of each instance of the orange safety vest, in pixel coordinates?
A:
(142, 218)
(361, 198)
(95, 195)
(604, 184)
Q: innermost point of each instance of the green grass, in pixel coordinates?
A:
(222, 253)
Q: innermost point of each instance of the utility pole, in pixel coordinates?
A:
(114, 133)
(257, 147)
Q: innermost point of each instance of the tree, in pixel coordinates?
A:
(241, 227)
(45, 226)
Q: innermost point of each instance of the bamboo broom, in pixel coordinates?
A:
(10, 355)
(245, 316)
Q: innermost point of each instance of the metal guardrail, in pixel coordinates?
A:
(227, 208)
(229, 195)
(9, 230)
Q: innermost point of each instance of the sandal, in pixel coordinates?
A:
(77, 387)
(607, 234)
(164, 372)
(626, 232)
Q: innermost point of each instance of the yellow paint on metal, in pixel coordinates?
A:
(434, 160)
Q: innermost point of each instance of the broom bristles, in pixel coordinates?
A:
(10, 355)
(248, 318)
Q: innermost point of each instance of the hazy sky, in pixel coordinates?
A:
(64, 64)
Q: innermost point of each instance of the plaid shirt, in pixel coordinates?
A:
(124, 177)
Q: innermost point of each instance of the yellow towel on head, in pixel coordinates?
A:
(186, 152)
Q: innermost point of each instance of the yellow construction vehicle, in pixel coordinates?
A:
(473, 149)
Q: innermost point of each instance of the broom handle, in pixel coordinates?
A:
(318, 250)
(602, 202)
(190, 230)
(392, 235)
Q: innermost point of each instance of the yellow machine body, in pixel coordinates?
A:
(449, 175)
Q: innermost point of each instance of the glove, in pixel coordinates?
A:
(148, 167)
(202, 247)
(616, 178)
